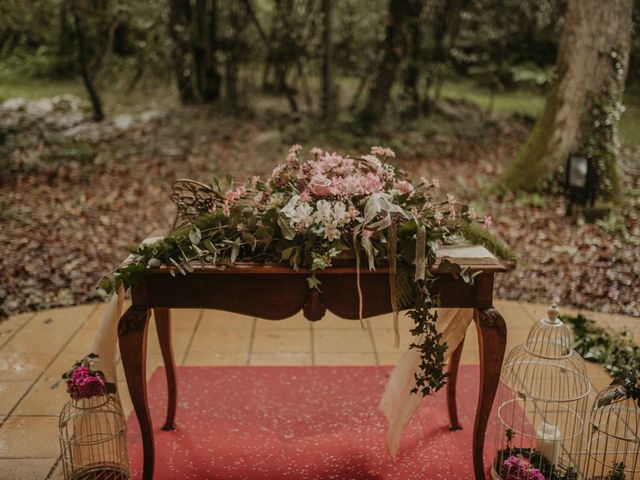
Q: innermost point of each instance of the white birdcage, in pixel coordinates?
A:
(541, 406)
(93, 439)
(614, 436)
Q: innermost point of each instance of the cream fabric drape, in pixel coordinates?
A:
(398, 404)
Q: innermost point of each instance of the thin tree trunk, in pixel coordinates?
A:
(204, 45)
(96, 103)
(393, 51)
(592, 63)
(327, 61)
(412, 72)
(179, 30)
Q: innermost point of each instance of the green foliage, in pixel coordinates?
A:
(431, 376)
(614, 349)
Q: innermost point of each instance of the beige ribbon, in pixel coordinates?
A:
(398, 404)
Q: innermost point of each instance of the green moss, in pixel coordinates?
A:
(476, 234)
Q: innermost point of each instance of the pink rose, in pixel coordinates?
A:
(320, 185)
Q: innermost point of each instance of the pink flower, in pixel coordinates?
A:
(437, 215)
(519, 468)
(280, 175)
(254, 181)
(451, 199)
(353, 213)
(295, 148)
(436, 183)
(305, 196)
(385, 152)
(371, 183)
(315, 151)
(226, 208)
(403, 186)
(488, 221)
(320, 185)
(83, 384)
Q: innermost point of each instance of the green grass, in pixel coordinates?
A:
(12, 85)
(514, 101)
(629, 126)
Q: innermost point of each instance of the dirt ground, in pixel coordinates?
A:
(73, 195)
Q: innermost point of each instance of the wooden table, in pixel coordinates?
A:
(275, 292)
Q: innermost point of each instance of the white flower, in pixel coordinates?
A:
(341, 214)
(302, 215)
(323, 211)
(331, 232)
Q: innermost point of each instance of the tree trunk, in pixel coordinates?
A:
(83, 63)
(208, 79)
(413, 71)
(179, 30)
(393, 51)
(327, 61)
(583, 106)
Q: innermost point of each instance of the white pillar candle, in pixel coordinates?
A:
(548, 442)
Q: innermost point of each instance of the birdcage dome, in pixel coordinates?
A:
(542, 404)
(614, 434)
(550, 337)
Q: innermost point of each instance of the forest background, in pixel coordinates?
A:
(104, 102)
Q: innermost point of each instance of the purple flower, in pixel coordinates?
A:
(84, 384)
(519, 468)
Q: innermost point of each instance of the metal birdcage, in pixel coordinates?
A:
(614, 437)
(93, 439)
(542, 406)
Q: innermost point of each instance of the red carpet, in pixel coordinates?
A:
(269, 423)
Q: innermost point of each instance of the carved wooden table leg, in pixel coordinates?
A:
(454, 363)
(492, 341)
(132, 336)
(163, 326)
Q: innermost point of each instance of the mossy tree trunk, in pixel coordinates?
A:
(584, 104)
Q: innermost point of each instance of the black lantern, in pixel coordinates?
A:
(580, 181)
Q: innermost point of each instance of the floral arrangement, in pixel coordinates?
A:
(519, 468)
(312, 212)
(84, 381)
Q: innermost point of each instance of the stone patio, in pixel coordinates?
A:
(36, 348)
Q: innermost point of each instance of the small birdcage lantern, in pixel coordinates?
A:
(542, 406)
(92, 427)
(614, 437)
(93, 439)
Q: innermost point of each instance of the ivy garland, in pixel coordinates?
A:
(310, 213)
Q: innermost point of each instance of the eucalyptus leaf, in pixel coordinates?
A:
(235, 250)
(250, 239)
(287, 230)
(195, 236)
